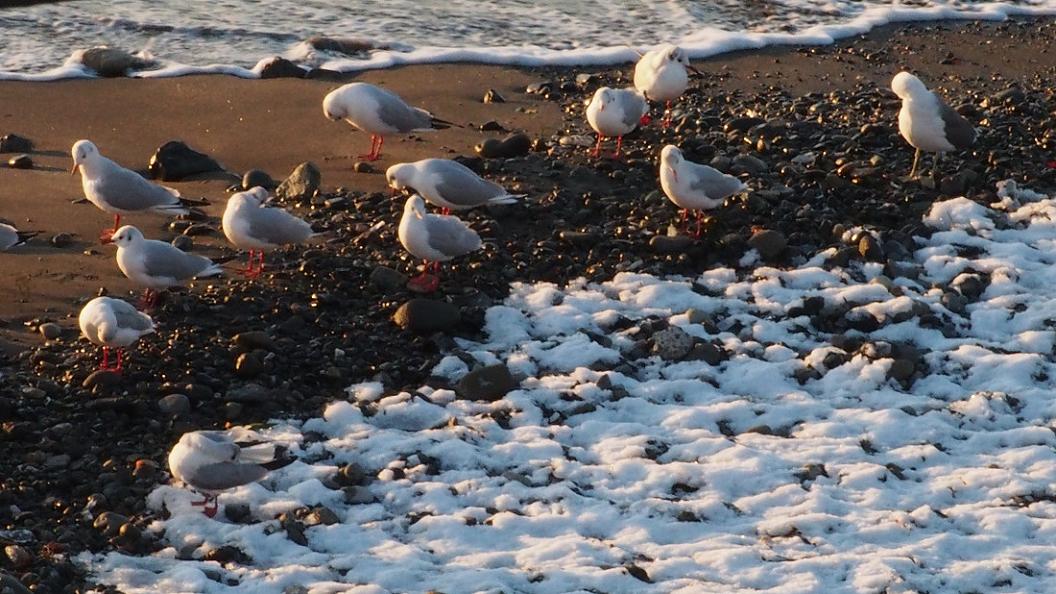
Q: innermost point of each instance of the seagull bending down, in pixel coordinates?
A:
(927, 122)
(113, 323)
(615, 112)
(117, 190)
(211, 461)
(379, 112)
(447, 184)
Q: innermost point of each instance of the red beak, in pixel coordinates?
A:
(73, 170)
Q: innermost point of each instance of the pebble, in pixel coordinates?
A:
(387, 279)
(493, 96)
(109, 523)
(255, 177)
(282, 68)
(301, 185)
(13, 143)
(20, 162)
(110, 62)
(199, 230)
(9, 585)
(363, 167)
(489, 383)
(102, 378)
(61, 240)
(174, 161)
(174, 404)
(425, 316)
(672, 343)
(183, 242)
(321, 516)
(50, 330)
(670, 244)
(514, 145)
(748, 164)
(18, 556)
(248, 365)
(252, 340)
(870, 249)
(768, 243)
(901, 370)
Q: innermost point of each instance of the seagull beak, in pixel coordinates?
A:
(73, 170)
(694, 70)
(674, 173)
(419, 214)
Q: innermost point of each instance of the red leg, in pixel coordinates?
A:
(106, 234)
(619, 147)
(377, 152)
(248, 272)
(370, 156)
(597, 147)
(700, 222)
(260, 262)
(120, 361)
(106, 358)
(149, 299)
(208, 504)
(445, 211)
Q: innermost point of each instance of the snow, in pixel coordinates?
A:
(612, 470)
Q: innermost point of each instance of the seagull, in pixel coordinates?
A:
(693, 186)
(927, 122)
(615, 112)
(379, 112)
(113, 323)
(447, 184)
(662, 75)
(11, 237)
(433, 238)
(117, 190)
(212, 461)
(248, 225)
(156, 265)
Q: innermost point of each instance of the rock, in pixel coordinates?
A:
(20, 162)
(970, 285)
(672, 343)
(425, 316)
(491, 126)
(199, 229)
(302, 184)
(57, 462)
(248, 365)
(281, 68)
(9, 585)
(539, 88)
(707, 352)
(249, 393)
(489, 383)
(110, 62)
(349, 45)
(387, 279)
(61, 240)
(670, 244)
(321, 515)
(870, 249)
(233, 410)
(585, 78)
(257, 178)
(50, 331)
(238, 513)
(109, 523)
(768, 243)
(103, 378)
(174, 161)
(954, 302)
(352, 474)
(363, 167)
(183, 242)
(13, 143)
(901, 370)
(493, 96)
(174, 404)
(18, 556)
(252, 340)
(748, 164)
(514, 145)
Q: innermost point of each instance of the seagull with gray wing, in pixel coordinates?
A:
(615, 112)
(113, 324)
(117, 190)
(11, 237)
(379, 112)
(433, 238)
(156, 265)
(447, 184)
(927, 122)
(212, 461)
(692, 186)
(250, 226)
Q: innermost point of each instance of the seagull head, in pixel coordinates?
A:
(676, 55)
(333, 108)
(671, 157)
(414, 206)
(84, 153)
(126, 236)
(253, 198)
(398, 176)
(906, 86)
(602, 97)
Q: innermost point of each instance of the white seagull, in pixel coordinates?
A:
(156, 265)
(692, 186)
(662, 74)
(212, 461)
(11, 237)
(113, 323)
(927, 122)
(117, 190)
(615, 112)
(433, 238)
(447, 184)
(379, 112)
(249, 225)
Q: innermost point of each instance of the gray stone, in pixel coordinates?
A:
(110, 62)
(13, 143)
(670, 244)
(869, 248)
(61, 240)
(901, 370)
(489, 383)
(174, 161)
(20, 162)
(302, 184)
(257, 178)
(248, 365)
(102, 378)
(50, 331)
(768, 243)
(9, 585)
(174, 404)
(748, 164)
(387, 279)
(109, 523)
(672, 343)
(249, 393)
(493, 96)
(425, 316)
(282, 68)
(253, 339)
(183, 242)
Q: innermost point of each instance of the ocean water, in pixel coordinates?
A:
(234, 36)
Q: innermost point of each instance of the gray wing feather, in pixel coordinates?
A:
(450, 236)
(128, 317)
(633, 109)
(225, 475)
(8, 237)
(959, 131)
(394, 112)
(277, 227)
(714, 183)
(459, 185)
(127, 190)
(164, 261)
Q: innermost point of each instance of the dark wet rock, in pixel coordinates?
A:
(344, 45)
(174, 404)
(670, 244)
(228, 554)
(18, 557)
(257, 178)
(901, 370)
(514, 145)
(869, 248)
(61, 240)
(954, 302)
(249, 393)
(282, 68)
(50, 331)
(249, 365)
(102, 378)
(425, 316)
(768, 243)
(672, 344)
(20, 162)
(811, 472)
(363, 167)
(491, 126)
(301, 185)
(321, 515)
(110, 62)
(199, 230)
(252, 340)
(238, 513)
(13, 143)
(708, 353)
(109, 523)
(540, 88)
(748, 164)
(387, 279)
(183, 243)
(970, 285)
(9, 585)
(493, 96)
(174, 161)
(489, 383)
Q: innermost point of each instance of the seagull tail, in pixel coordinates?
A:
(186, 202)
(439, 124)
(507, 199)
(213, 270)
(24, 236)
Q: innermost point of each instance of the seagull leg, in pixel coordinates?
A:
(260, 262)
(425, 282)
(149, 299)
(666, 123)
(700, 222)
(619, 147)
(208, 504)
(248, 272)
(597, 147)
(916, 159)
(935, 165)
(120, 361)
(106, 359)
(106, 234)
(377, 152)
(371, 155)
(445, 211)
